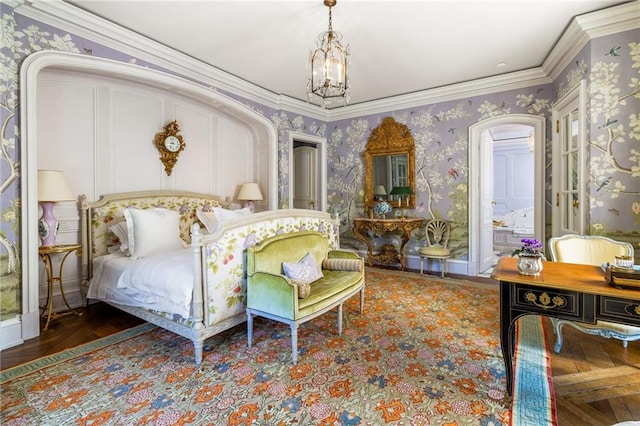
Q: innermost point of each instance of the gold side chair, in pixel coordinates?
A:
(438, 232)
(591, 250)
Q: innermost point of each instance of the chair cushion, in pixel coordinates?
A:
(435, 251)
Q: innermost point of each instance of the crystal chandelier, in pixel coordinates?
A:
(329, 67)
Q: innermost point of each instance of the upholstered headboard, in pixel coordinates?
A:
(98, 216)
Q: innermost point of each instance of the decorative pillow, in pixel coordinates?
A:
(304, 289)
(306, 270)
(342, 264)
(208, 219)
(224, 214)
(152, 230)
(120, 231)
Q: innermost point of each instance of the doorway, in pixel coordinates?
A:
(482, 200)
(307, 172)
(512, 192)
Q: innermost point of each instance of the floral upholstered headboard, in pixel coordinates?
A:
(99, 216)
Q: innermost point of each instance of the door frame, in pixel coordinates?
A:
(321, 145)
(576, 98)
(475, 154)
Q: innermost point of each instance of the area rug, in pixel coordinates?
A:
(425, 352)
(534, 400)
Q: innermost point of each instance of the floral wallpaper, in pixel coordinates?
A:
(440, 132)
(611, 67)
(610, 64)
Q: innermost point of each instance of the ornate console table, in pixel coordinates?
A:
(563, 290)
(389, 253)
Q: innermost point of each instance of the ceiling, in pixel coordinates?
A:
(397, 47)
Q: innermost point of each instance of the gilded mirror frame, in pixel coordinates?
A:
(389, 138)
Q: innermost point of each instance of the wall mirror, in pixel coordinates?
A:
(390, 163)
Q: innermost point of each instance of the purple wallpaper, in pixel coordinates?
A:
(440, 130)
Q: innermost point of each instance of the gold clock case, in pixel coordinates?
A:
(167, 157)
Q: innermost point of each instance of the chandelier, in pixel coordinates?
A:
(329, 67)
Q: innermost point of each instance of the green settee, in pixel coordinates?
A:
(272, 295)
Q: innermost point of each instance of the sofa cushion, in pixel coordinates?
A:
(306, 270)
(342, 264)
(326, 290)
(304, 289)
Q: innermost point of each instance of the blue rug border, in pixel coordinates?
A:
(18, 371)
(533, 402)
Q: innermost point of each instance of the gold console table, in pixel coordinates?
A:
(389, 254)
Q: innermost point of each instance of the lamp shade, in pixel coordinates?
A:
(250, 192)
(379, 190)
(401, 190)
(53, 187)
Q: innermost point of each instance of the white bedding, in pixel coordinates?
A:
(162, 282)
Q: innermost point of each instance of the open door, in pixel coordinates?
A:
(568, 154)
(305, 183)
(486, 202)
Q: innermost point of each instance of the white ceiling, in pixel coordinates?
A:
(397, 47)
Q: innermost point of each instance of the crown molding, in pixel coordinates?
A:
(68, 17)
(13, 3)
(584, 28)
(613, 20)
(469, 89)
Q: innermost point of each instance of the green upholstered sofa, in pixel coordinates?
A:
(272, 295)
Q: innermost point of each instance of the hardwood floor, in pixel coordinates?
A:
(596, 380)
(97, 320)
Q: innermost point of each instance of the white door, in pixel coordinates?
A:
(486, 201)
(568, 158)
(305, 178)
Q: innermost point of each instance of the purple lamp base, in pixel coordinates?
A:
(48, 225)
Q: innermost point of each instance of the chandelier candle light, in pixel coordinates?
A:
(329, 67)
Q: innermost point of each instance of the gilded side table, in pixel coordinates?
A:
(389, 254)
(46, 254)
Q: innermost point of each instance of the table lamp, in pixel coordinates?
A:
(52, 187)
(402, 191)
(250, 192)
(379, 191)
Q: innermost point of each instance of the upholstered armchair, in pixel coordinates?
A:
(591, 250)
(437, 232)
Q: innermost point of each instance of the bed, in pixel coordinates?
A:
(510, 228)
(195, 286)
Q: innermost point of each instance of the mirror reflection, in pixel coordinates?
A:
(389, 171)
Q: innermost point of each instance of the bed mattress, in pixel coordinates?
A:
(162, 282)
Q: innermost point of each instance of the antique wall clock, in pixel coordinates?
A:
(169, 144)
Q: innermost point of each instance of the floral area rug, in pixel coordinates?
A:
(425, 352)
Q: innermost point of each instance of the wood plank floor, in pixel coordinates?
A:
(596, 380)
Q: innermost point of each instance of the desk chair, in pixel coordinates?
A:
(591, 250)
(437, 232)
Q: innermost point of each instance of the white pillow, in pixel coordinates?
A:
(306, 270)
(208, 219)
(224, 214)
(120, 230)
(152, 230)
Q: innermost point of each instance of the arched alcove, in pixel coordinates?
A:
(260, 128)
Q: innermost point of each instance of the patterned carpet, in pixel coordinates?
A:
(425, 352)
